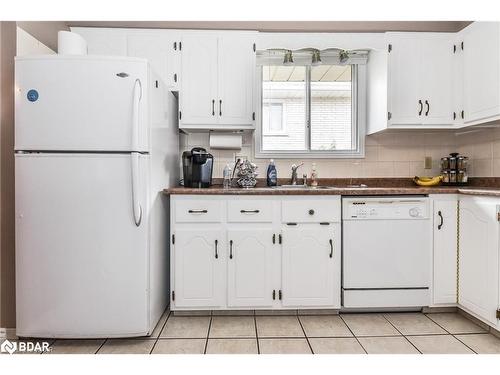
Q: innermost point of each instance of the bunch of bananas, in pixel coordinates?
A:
(427, 181)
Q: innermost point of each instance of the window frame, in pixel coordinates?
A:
(358, 121)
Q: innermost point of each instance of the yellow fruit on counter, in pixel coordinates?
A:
(427, 181)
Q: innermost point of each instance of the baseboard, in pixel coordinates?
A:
(8, 333)
(478, 321)
(439, 309)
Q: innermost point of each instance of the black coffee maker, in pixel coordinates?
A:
(197, 166)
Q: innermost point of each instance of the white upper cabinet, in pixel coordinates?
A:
(162, 52)
(236, 79)
(404, 80)
(478, 261)
(481, 72)
(198, 96)
(420, 80)
(437, 81)
(160, 47)
(217, 81)
(103, 41)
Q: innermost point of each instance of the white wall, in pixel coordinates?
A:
(28, 45)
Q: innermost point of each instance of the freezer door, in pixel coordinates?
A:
(81, 247)
(81, 103)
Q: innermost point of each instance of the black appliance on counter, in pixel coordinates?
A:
(197, 167)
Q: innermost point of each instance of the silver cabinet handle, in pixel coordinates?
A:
(249, 211)
(220, 107)
(216, 250)
(428, 108)
(197, 211)
(231, 249)
(331, 248)
(421, 107)
(213, 107)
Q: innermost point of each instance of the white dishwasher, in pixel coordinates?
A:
(386, 255)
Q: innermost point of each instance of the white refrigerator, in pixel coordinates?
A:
(96, 140)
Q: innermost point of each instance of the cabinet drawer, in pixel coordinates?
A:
(250, 211)
(310, 210)
(198, 211)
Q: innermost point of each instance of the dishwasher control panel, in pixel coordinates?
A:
(385, 208)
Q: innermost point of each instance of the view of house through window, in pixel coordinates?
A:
(307, 108)
(284, 108)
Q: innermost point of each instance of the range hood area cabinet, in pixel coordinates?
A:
(435, 80)
(217, 89)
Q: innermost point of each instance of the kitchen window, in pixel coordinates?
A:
(310, 111)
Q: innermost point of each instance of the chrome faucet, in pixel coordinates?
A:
(293, 181)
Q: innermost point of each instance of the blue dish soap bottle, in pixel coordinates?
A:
(272, 174)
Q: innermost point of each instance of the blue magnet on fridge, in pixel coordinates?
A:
(32, 95)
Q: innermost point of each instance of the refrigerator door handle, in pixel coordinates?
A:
(136, 206)
(135, 113)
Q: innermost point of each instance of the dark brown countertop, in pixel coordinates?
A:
(338, 186)
(218, 190)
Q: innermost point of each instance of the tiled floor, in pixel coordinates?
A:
(391, 333)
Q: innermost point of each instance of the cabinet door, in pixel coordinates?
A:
(481, 54)
(199, 265)
(405, 81)
(478, 283)
(162, 52)
(445, 251)
(236, 79)
(436, 75)
(198, 94)
(309, 259)
(250, 267)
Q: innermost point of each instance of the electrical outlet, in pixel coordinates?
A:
(239, 156)
(428, 162)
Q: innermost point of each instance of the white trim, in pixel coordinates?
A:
(359, 93)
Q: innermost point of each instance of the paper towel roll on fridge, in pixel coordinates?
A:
(69, 43)
(225, 141)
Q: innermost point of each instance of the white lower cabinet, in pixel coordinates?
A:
(309, 262)
(479, 257)
(199, 267)
(445, 257)
(250, 267)
(236, 252)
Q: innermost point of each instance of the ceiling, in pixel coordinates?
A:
(288, 26)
